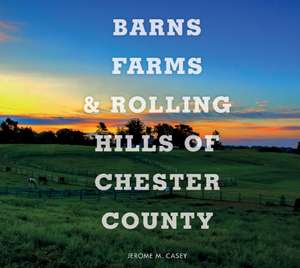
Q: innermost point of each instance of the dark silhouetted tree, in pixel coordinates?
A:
(122, 131)
(69, 136)
(46, 137)
(64, 136)
(180, 133)
(163, 129)
(148, 131)
(160, 130)
(8, 131)
(218, 144)
(78, 137)
(101, 128)
(136, 128)
(26, 135)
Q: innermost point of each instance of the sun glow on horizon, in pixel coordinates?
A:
(57, 102)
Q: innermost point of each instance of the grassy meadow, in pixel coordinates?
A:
(66, 232)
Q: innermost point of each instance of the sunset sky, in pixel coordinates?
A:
(54, 53)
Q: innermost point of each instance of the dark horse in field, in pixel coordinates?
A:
(61, 180)
(297, 204)
(42, 179)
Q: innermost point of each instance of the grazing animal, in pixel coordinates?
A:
(297, 204)
(61, 180)
(32, 182)
(43, 179)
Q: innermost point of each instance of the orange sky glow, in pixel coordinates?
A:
(39, 97)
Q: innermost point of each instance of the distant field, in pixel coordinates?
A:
(66, 232)
(269, 174)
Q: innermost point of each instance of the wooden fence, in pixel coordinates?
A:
(225, 197)
(83, 179)
(91, 192)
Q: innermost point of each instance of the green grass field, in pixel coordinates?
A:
(66, 232)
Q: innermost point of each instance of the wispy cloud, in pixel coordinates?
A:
(116, 119)
(292, 128)
(262, 103)
(267, 115)
(9, 26)
(47, 120)
(7, 30)
(5, 37)
(235, 115)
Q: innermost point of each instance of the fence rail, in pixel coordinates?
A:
(86, 181)
(95, 194)
(60, 193)
(77, 179)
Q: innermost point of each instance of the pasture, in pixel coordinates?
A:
(268, 174)
(66, 232)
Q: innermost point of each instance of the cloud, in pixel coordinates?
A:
(262, 103)
(50, 120)
(9, 26)
(292, 128)
(5, 37)
(40, 120)
(7, 29)
(116, 120)
(267, 115)
(235, 115)
(281, 142)
(153, 118)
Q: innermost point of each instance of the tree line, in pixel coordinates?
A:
(178, 132)
(11, 132)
